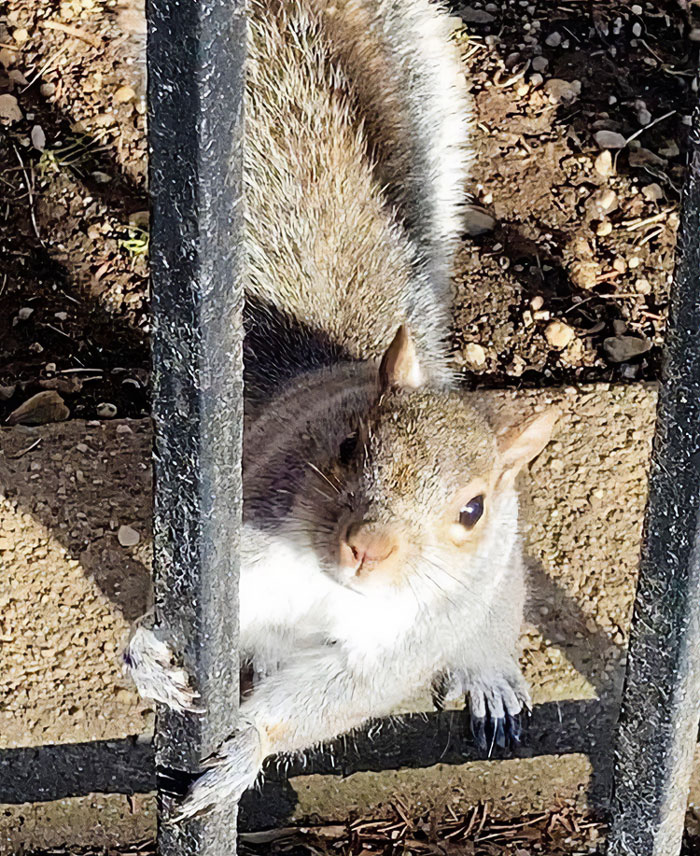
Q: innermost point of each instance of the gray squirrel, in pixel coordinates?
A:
(381, 553)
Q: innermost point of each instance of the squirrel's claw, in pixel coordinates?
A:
(151, 666)
(230, 771)
(504, 732)
(494, 704)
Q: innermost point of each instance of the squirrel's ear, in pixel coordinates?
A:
(399, 366)
(522, 443)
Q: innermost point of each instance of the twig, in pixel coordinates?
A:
(482, 822)
(45, 67)
(640, 132)
(633, 225)
(504, 84)
(650, 235)
(72, 31)
(650, 125)
(29, 193)
(24, 451)
(57, 330)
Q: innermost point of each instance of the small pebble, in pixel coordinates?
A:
(645, 157)
(603, 164)
(20, 35)
(604, 228)
(16, 76)
(653, 192)
(106, 410)
(643, 116)
(670, 149)
(537, 302)
(516, 366)
(536, 79)
(562, 90)
(9, 109)
(477, 221)
(694, 34)
(62, 316)
(41, 408)
(128, 536)
(606, 199)
(634, 262)
(636, 9)
(124, 94)
(559, 335)
(620, 349)
(637, 29)
(475, 16)
(553, 40)
(38, 138)
(47, 89)
(25, 312)
(643, 286)
(475, 355)
(610, 140)
(540, 63)
(584, 274)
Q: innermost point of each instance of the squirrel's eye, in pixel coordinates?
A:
(471, 513)
(348, 446)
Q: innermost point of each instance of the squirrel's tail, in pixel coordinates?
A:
(440, 109)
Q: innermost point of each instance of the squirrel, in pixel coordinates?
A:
(380, 551)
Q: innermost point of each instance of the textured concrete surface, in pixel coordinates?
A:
(69, 590)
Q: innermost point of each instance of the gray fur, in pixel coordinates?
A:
(355, 157)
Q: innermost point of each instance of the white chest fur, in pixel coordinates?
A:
(288, 602)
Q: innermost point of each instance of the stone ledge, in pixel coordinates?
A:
(70, 591)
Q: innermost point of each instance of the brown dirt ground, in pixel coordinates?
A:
(74, 239)
(561, 832)
(546, 76)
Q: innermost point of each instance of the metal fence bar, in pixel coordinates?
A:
(658, 723)
(196, 50)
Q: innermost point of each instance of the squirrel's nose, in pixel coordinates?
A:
(366, 546)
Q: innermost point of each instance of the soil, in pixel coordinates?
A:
(568, 244)
(561, 832)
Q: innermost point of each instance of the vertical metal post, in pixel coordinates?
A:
(658, 724)
(196, 50)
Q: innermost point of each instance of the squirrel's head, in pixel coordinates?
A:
(422, 484)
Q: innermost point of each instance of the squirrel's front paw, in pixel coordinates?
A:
(230, 771)
(495, 700)
(151, 665)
